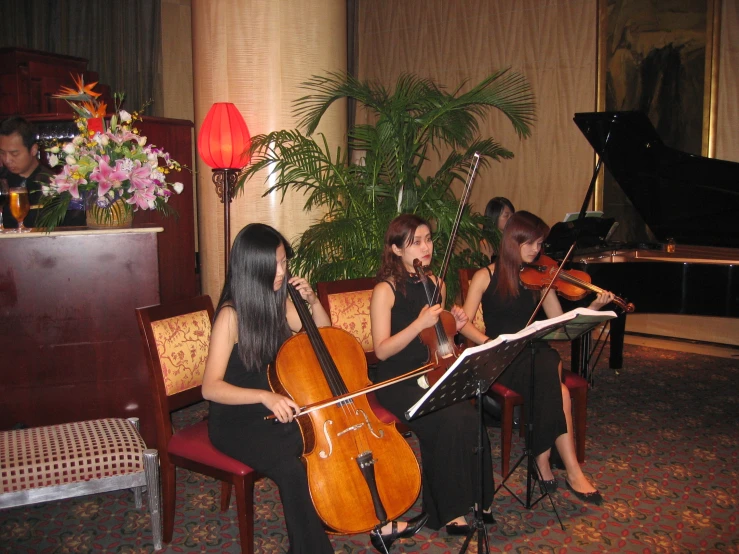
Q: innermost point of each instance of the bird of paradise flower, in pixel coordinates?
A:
(83, 100)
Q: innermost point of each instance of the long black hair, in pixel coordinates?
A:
(249, 289)
(494, 208)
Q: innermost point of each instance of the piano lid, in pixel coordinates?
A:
(693, 199)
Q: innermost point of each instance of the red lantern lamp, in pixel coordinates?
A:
(223, 144)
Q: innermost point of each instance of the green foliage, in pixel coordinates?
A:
(360, 200)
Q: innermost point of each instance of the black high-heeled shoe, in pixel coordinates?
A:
(593, 497)
(551, 484)
(382, 543)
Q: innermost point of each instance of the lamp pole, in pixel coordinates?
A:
(225, 180)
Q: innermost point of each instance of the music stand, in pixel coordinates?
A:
(568, 326)
(472, 374)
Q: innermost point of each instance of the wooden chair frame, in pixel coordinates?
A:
(164, 405)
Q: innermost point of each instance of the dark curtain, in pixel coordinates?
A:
(121, 40)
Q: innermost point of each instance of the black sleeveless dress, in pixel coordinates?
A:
(447, 437)
(510, 316)
(274, 450)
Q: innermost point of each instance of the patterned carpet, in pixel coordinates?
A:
(662, 448)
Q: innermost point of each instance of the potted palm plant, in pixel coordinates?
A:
(417, 119)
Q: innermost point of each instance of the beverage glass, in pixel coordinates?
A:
(19, 207)
(4, 196)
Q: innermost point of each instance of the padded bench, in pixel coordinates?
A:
(76, 459)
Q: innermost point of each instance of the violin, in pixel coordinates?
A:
(361, 472)
(571, 284)
(440, 338)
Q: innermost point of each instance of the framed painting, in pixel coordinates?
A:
(659, 57)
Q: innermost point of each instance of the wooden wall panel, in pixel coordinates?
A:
(551, 43)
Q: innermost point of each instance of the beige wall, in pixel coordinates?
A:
(255, 54)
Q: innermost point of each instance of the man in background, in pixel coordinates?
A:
(19, 152)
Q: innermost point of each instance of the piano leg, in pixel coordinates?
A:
(580, 355)
(618, 328)
(580, 349)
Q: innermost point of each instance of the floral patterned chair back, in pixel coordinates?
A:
(182, 343)
(348, 304)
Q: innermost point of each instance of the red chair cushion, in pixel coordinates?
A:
(382, 414)
(194, 444)
(574, 381)
(505, 392)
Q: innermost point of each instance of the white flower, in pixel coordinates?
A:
(142, 141)
(54, 149)
(178, 187)
(69, 148)
(127, 165)
(70, 160)
(53, 160)
(104, 140)
(125, 116)
(77, 141)
(153, 159)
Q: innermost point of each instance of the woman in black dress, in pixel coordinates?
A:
(253, 319)
(448, 437)
(497, 213)
(506, 308)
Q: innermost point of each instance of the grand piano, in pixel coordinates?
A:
(690, 207)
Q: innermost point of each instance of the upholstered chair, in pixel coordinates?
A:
(176, 338)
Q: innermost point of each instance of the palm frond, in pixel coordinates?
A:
(359, 200)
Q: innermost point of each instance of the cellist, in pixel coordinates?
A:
(448, 437)
(506, 308)
(253, 318)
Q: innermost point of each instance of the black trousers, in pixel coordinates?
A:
(448, 439)
(274, 450)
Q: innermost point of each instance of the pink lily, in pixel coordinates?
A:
(65, 182)
(142, 198)
(107, 177)
(140, 176)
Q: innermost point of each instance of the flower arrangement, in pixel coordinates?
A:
(112, 169)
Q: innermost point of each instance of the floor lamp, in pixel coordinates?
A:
(223, 144)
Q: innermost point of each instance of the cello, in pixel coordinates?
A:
(361, 472)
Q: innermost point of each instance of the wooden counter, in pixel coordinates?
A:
(69, 340)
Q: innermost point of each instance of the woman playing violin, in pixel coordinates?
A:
(448, 437)
(507, 307)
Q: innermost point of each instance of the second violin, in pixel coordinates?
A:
(570, 284)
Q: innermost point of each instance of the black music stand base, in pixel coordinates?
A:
(478, 526)
(532, 468)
